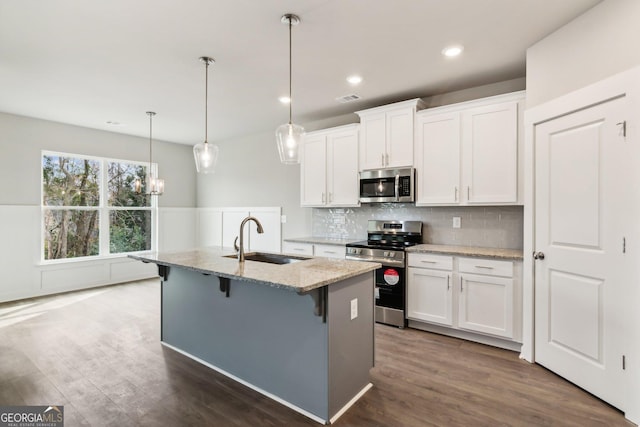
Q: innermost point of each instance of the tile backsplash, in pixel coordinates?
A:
(485, 226)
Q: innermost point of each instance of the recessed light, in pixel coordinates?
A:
(284, 99)
(452, 51)
(354, 79)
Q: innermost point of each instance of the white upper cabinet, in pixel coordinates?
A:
(490, 147)
(469, 153)
(438, 159)
(387, 135)
(329, 167)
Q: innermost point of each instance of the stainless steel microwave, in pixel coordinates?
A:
(387, 186)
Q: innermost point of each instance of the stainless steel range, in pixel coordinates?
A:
(386, 243)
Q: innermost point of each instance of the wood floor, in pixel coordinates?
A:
(97, 352)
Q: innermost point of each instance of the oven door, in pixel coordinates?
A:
(390, 287)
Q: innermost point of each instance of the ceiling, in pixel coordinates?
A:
(89, 62)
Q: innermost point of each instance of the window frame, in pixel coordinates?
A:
(103, 209)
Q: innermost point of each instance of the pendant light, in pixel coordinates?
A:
(156, 185)
(289, 136)
(205, 154)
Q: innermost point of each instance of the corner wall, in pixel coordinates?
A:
(597, 44)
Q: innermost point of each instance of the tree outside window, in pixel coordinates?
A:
(90, 207)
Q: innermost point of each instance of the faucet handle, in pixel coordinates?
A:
(235, 244)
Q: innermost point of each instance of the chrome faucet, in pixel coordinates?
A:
(244, 221)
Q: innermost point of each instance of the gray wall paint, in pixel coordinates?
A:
(599, 43)
(249, 173)
(23, 138)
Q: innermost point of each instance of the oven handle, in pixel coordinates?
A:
(384, 262)
(397, 187)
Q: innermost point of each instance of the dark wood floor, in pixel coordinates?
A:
(97, 353)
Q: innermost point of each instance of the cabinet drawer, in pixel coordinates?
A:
(486, 266)
(437, 262)
(329, 251)
(297, 248)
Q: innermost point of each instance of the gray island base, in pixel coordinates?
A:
(310, 350)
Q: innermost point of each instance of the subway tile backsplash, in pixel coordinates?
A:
(484, 226)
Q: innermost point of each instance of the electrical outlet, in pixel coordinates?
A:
(354, 308)
(456, 222)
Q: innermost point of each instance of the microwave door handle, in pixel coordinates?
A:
(397, 188)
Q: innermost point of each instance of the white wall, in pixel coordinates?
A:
(21, 141)
(601, 42)
(249, 173)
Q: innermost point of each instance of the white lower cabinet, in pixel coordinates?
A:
(430, 296)
(314, 249)
(329, 251)
(476, 295)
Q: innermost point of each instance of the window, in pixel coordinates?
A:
(90, 207)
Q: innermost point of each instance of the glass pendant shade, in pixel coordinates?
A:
(288, 138)
(156, 186)
(206, 156)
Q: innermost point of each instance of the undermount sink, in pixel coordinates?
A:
(270, 258)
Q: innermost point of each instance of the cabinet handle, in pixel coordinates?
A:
(468, 192)
(330, 197)
(448, 277)
(455, 197)
(382, 159)
(322, 197)
(461, 288)
(298, 249)
(386, 163)
(484, 266)
(329, 252)
(426, 261)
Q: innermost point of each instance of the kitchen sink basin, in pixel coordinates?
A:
(270, 258)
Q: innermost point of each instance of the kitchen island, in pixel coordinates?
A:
(300, 333)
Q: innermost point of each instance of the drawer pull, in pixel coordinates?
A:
(329, 252)
(428, 262)
(298, 249)
(484, 266)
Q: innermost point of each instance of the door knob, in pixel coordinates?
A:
(538, 255)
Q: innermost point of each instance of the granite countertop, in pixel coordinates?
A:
(469, 251)
(322, 240)
(300, 277)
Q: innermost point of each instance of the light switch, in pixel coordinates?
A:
(354, 308)
(456, 222)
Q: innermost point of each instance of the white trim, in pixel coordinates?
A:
(350, 403)
(247, 384)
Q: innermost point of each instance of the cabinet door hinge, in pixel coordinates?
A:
(622, 129)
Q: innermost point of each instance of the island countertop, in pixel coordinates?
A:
(301, 277)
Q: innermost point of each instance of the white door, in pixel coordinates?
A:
(486, 304)
(429, 296)
(399, 151)
(581, 189)
(313, 171)
(372, 148)
(342, 168)
(438, 159)
(490, 153)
